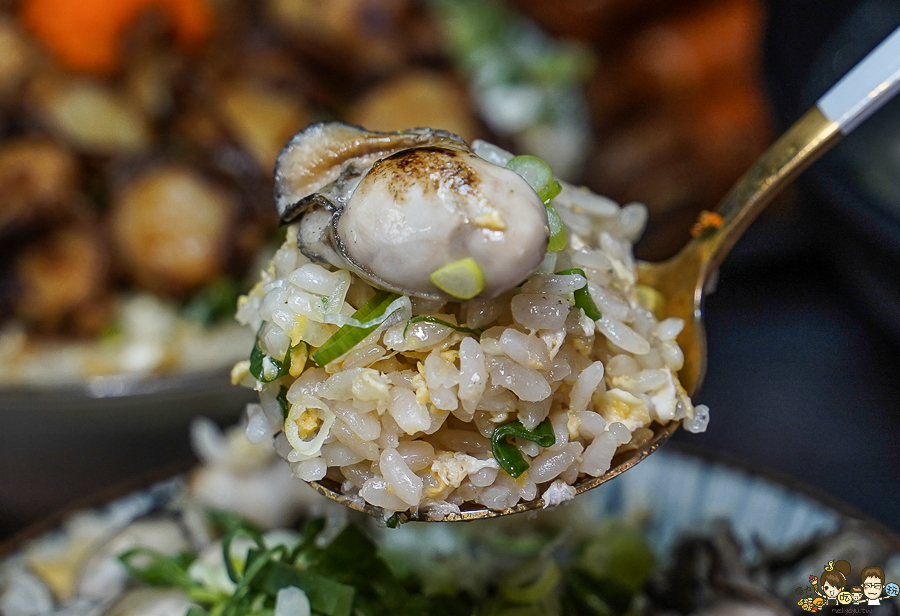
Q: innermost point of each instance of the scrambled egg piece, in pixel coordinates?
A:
(451, 468)
(299, 355)
(297, 331)
(421, 387)
(451, 355)
(371, 386)
(573, 424)
(625, 408)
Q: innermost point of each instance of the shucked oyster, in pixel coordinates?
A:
(416, 212)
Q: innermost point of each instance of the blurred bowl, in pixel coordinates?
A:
(58, 444)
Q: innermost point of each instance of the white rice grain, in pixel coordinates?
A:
(310, 470)
(363, 356)
(439, 372)
(465, 441)
(699, 420)
(672, 355)
(409, 414)
(483, 477)
(533, 413)
(376, 492)
(585, 386)
(590, 424)
(366, 449)
(590, 202)
(550, 464)
(622, 336)
(418, 455)
(526, 383)
(338, 454)
(400, 479)
(668, 329)
(472, 374)
(554, 284)
(597, 456)
(632, 220)
(529, 351)
(540, 310)
(365, 425)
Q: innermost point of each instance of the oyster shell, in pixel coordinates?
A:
(396, 207)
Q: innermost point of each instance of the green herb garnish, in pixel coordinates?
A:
(265, 368)
(583, 297)
(348, 336)
(506, 453)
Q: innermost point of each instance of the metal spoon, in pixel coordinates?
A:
(682, 279)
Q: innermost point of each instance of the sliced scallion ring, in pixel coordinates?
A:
(462, 279)
(301, 405)
(538, 175)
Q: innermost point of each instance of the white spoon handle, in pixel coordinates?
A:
(869, 85)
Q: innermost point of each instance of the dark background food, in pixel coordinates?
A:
(804, 328)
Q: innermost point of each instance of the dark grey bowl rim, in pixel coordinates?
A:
(122, 385)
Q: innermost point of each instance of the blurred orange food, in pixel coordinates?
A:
(87, 35)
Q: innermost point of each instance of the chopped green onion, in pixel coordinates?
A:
(226, 521)
(283, 402)
(349, 336)
(265, 368)
(462, 279)
(538, 175)
(558, 239)
(230, 565)
(157, 569)
(583, 297)
(326, 596)
(429, 319)
(507, 455)
(396, 519)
